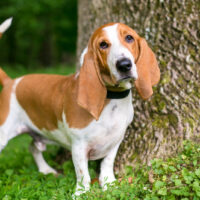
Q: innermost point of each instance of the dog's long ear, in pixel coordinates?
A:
(91, 90)
(148, 70)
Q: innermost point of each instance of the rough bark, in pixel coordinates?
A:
(172, 28)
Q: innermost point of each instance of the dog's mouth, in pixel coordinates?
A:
(122, 84)
(126, 78)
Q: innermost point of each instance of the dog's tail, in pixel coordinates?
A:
(3, 27)
(3, 77)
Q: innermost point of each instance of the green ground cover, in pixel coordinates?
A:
(176, 178)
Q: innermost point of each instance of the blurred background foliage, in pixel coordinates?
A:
(43, 33)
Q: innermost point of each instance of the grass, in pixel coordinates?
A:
(176, 178)
(173, 179)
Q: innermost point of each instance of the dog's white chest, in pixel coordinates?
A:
(103, 135)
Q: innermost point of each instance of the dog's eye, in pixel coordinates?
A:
(129, 38)
(103, 45)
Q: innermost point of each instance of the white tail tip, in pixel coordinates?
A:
(5, 25)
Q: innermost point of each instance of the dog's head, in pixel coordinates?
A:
(115, 56)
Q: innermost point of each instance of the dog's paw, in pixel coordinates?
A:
(77, 194)
(107, 181)
(48, 170)
(80, 189)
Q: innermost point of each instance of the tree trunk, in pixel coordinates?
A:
(172, 29)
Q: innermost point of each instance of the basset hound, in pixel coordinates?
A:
(87, 112)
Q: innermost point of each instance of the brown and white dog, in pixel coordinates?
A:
(87, 112)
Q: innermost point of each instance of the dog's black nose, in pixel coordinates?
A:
(124, 65)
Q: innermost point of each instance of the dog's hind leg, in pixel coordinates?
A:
(3, 140)
(36, 148)
(9, 131)
(5, 137)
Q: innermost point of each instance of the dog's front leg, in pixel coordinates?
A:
(80, 160)
(107, 174)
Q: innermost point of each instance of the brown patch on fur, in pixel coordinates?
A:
(46, 97)
(5, 101)
(42, 97)
(1, 35)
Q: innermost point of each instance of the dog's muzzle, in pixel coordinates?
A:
(126, 69)
(124, 65)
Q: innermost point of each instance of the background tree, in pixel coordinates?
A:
(172, 30)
